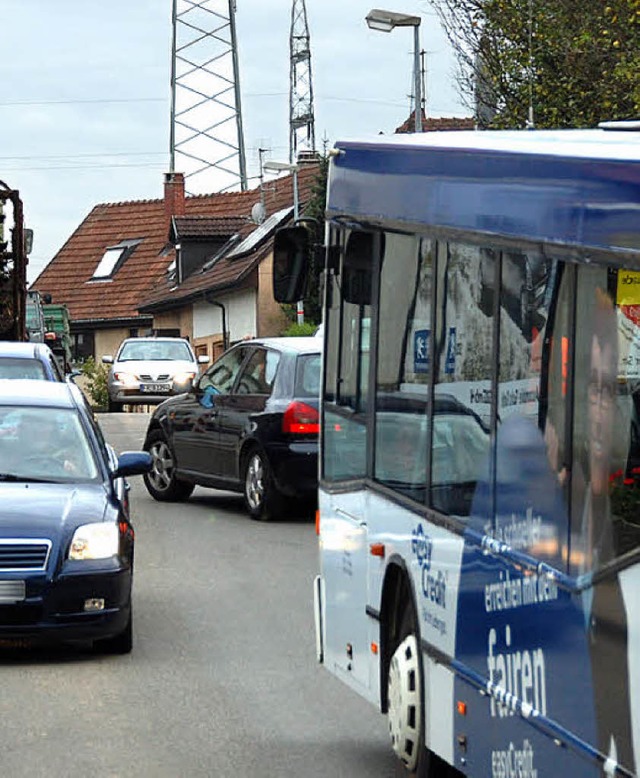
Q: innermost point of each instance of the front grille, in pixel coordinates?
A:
(24, 554)
(161, 377)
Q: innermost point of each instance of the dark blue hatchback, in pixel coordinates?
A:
(66, 540)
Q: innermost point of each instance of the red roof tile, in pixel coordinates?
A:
(435, 124)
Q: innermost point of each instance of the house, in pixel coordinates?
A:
(199, 267)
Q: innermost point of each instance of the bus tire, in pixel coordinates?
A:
(405, 710)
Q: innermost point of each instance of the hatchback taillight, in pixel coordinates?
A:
(301, 419)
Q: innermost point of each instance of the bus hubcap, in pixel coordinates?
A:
(404, 702)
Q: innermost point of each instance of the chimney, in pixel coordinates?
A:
(174, 202)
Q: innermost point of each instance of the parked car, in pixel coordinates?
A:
(146, 371)
(66, 540)
(249, 424)
(29, 360)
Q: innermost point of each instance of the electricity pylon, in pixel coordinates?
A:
(207, 137)
(301, 118)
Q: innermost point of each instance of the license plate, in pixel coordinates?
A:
(12, 591)
(155, 388)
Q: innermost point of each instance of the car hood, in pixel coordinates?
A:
(46, 510)
(156, 368)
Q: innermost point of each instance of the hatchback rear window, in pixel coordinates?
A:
(16, 367)
(308, 376)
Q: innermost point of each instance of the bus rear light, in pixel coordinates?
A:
(374, 648)
(317, 522)
(301, 419)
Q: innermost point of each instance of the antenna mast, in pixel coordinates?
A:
(301, 120)
(206, 137)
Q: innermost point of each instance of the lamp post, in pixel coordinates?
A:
(280, 167)
(385, 21)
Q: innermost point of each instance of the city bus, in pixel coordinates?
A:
(479, 485)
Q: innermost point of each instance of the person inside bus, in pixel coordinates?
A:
(603, 602)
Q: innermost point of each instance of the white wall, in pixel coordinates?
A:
(240, 311)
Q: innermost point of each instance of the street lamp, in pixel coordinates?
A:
(280, 167)
(385, 21)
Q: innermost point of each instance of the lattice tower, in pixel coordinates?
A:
(301, 117)
(207, 137)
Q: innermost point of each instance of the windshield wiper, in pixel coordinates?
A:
(13, 478)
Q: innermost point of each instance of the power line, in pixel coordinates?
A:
(77, 101)
(157, 165)
(88, 154)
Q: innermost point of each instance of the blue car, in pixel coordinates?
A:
(66, 539)
(29, 360)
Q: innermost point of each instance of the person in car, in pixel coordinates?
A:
(45, 446)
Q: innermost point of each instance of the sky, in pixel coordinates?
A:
(85, 95)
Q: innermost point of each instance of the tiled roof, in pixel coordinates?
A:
(227, 273)
(67, 278)
(434, 124)
(196, 227)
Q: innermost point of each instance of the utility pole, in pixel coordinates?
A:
(301, 116)
(206, 135)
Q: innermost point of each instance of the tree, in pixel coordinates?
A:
(575, 63)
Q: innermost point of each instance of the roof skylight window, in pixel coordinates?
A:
(113, 259)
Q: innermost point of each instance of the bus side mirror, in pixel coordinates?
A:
(290, 264)
(357, 268)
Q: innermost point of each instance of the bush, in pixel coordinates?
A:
(300, 330)
(96, 375)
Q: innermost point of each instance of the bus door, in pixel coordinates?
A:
(344, 526)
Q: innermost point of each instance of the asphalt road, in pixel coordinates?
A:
(222, 680)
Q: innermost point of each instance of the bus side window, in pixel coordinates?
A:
(462, 386)
(606, 479)
(402, 380)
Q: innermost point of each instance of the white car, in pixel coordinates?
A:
(148, 370)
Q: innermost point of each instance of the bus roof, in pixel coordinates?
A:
(577, 188)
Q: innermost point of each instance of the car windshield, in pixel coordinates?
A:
(151, 351)
(44, 444)
(17, 367)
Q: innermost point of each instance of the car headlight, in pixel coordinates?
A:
(95, 541)
(128, 379)
(183, 378)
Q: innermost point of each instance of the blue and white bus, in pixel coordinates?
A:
(479, 498)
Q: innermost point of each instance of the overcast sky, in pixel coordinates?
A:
(85, 96)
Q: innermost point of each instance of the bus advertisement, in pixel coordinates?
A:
(479, 493)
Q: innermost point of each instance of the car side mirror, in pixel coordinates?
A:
(107, 359)
(133, 463)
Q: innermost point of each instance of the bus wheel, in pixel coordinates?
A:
(405, 704)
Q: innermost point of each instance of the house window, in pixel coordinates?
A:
(113, 259)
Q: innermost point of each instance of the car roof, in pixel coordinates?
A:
(27, 350)
(154, 339)
(300, 344)
(54, 394)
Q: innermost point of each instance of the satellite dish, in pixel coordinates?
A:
(258, 213)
